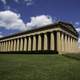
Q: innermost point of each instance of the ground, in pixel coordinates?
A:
(39, 67)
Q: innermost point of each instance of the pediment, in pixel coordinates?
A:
(68, 26)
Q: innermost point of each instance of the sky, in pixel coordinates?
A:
(20, 15)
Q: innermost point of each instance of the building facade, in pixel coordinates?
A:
(60, 36)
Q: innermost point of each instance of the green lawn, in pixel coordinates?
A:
(39, 67)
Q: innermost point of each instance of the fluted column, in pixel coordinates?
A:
(62, 44)
(39, 42)
(68, 43)
(34, 43)
(14, 44)
(4, 46)
(65, 43)
(52, 41)
(29, 43)
(25, 44)
(17, 45)
(9, 45)
(71, 45)
(58, 41)
(76, 45)
(45, 41)
(21, 44)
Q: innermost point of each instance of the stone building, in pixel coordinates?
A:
(60, 36)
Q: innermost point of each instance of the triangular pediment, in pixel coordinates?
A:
(68, 26)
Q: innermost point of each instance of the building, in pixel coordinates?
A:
(60, 36)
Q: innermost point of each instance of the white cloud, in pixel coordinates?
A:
(11, 20)
(39, 21)
(78, 29)
(4, 1)
(28, 2)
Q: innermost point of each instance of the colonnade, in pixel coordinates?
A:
(55, 40)
(66, 43)
(29, 43)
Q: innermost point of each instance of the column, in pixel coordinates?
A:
(65, 43)
(62, 43)
(1, 46)
(29, 44)
(45, 41)
(9, 45)
(76, 45)
(12, 45)
(25, 44)
(58, 41)
(21, 44)
(52, 41)
(34, 43)
(17, 44)
(4, 45)
(71, 44)
(39, 42)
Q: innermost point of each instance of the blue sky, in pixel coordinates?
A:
(26, 14)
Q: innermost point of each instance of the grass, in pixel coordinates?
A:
(39, 67)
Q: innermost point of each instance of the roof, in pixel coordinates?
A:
(67, 25)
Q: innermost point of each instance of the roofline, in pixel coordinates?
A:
(38, 29)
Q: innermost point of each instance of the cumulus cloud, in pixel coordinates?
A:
(11, 20)
(39, 21)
